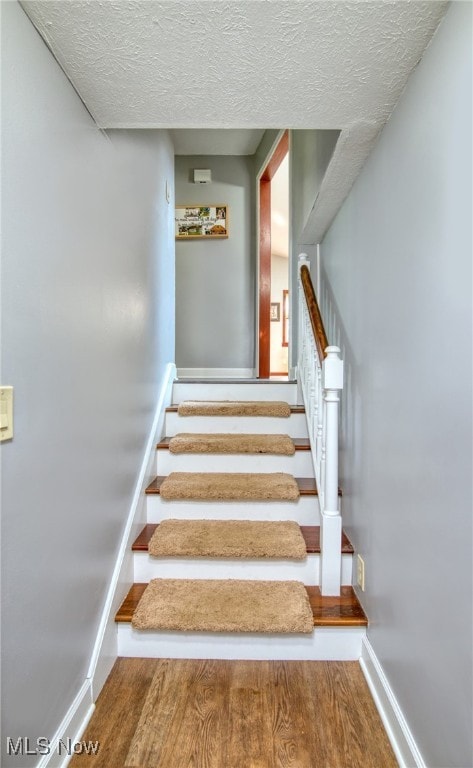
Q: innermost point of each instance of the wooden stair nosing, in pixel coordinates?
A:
(311, 534)
(328, 611)
(190, 380)
(300, 444)
(294, 409)
(307, 486)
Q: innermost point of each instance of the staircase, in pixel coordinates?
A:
(337, 623)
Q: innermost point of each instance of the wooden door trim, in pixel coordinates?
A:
(264, 288)
(264, 277)
(277, 157)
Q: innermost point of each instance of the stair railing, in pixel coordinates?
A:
(320, 377)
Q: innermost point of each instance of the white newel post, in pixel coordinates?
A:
(320, 382)
(331, 529)
(332, 371)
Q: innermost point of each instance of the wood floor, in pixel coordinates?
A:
(167, 713)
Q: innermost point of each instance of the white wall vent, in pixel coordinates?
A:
(202, 176)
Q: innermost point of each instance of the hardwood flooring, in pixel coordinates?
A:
(168, 713)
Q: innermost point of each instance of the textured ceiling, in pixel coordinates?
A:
(216, 142)
(236, 63)
(243, 64)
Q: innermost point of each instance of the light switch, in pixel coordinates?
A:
(6, 413)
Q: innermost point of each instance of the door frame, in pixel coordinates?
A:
(278, 152)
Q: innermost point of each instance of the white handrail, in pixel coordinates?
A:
(321, 380)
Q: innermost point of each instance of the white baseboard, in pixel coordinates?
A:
(402, 741)
(106, 645)
(105, 649)
(72, 727)
(215, 373)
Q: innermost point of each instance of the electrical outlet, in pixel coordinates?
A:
(360, 572)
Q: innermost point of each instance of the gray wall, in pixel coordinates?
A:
(311, 152)
(398, 277)
(215, 281)
(87, 329)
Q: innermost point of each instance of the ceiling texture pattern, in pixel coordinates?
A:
(236, 63)
(243, 64)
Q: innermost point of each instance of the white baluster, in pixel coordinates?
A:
(319, 445)
(314, 394)
(312, 389)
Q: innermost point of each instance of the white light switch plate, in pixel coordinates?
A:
(6, 413)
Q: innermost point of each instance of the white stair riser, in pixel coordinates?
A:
(235, 391)
(298, 465)
(307, 571)
(324, 644)
(305, 511)
(294, 426)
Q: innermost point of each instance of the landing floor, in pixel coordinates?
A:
(158, 713)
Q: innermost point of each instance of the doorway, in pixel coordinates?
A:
(279, 322)
(273, 263)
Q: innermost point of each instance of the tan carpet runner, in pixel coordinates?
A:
(234, 408)
(229, 486)
(186, 442)
(228, 538)
(211, 605)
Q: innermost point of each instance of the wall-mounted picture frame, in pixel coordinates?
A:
(275, 312)
(193, 222)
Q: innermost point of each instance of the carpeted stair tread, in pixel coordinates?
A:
(215, 605)
(273, 408)
(229, 486)
(300, 443)
(188, 442)
(327, 610)
(228, 539)
(310, 533)
(306, 485)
